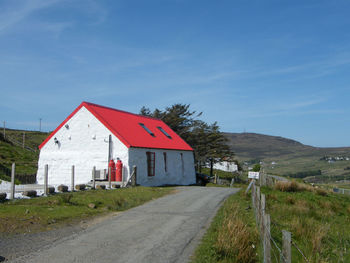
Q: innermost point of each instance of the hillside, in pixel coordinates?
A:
(12, 150)
(288, 155)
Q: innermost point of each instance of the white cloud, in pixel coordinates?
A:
(19, 12)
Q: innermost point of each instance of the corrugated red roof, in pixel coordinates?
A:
(126, 127)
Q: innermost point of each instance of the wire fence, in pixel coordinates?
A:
(271, 248)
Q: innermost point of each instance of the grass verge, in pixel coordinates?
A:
(232, 236)
(317, 219)
(44, 213)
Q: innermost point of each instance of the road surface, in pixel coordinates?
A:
(165, 230)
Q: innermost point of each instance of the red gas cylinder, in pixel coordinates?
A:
(111, 170)
(119, 169)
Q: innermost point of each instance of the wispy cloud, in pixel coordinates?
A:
(13, 15)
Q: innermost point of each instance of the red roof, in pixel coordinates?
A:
(126, 127)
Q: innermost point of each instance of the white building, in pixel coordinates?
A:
(92, 134)
(226, 166)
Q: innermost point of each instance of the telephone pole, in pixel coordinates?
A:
(4, 129)
(40, 124)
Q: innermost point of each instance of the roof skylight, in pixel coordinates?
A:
(164, 132)
(146, 129)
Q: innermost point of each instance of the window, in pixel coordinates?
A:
(151, 156)
(165, 162)
(146, 129)
(182, 164)
(164, 132)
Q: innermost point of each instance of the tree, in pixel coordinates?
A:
(209, 144)
(256, 167)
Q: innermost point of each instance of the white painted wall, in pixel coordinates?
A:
(84, 144)
(176, 173)
(226, 166)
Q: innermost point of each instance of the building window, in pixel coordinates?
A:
(165, 162)
(146, 129)
(164, 132)
(151, 157)
(182, 164)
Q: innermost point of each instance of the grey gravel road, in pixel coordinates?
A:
(164, 230)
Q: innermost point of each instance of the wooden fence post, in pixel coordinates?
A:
(267, 241)
(286, 246)
(72, 178)
(253, 196)
(257, 203)
(134, 176)
(93, 177)
(262, 213)
(46, 175)
(232, 182)
(13, 172)
(110, 177)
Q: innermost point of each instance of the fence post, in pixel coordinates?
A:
(267, 241)
(72, 178)
(110, 177)
(286, 246)
(46, 175)
(93, 177)
(253, 196)
(232, 182)
(257, 203)
(13, 172)
(262, 213)
(134, 176)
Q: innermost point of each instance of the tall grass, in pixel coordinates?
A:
(317, 219)
(232, 236)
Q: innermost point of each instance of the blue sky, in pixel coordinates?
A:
(273, 67)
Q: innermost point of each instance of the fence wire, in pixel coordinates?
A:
(301, 252)
(256, 209)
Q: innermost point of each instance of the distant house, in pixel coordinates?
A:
(93, 134)
(226, 166)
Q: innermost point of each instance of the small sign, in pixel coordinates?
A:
(253, 175)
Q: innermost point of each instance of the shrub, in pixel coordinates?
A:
(292, 186)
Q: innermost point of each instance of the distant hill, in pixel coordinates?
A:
(290, 156)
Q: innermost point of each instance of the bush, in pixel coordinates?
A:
(291, 186)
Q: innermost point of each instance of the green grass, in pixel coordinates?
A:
(232, 236)
(38, 214)
(318, 223)
(26, 160)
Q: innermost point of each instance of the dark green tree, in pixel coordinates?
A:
(256, 167)
(209, 144)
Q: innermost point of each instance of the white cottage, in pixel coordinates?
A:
(93, 134)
